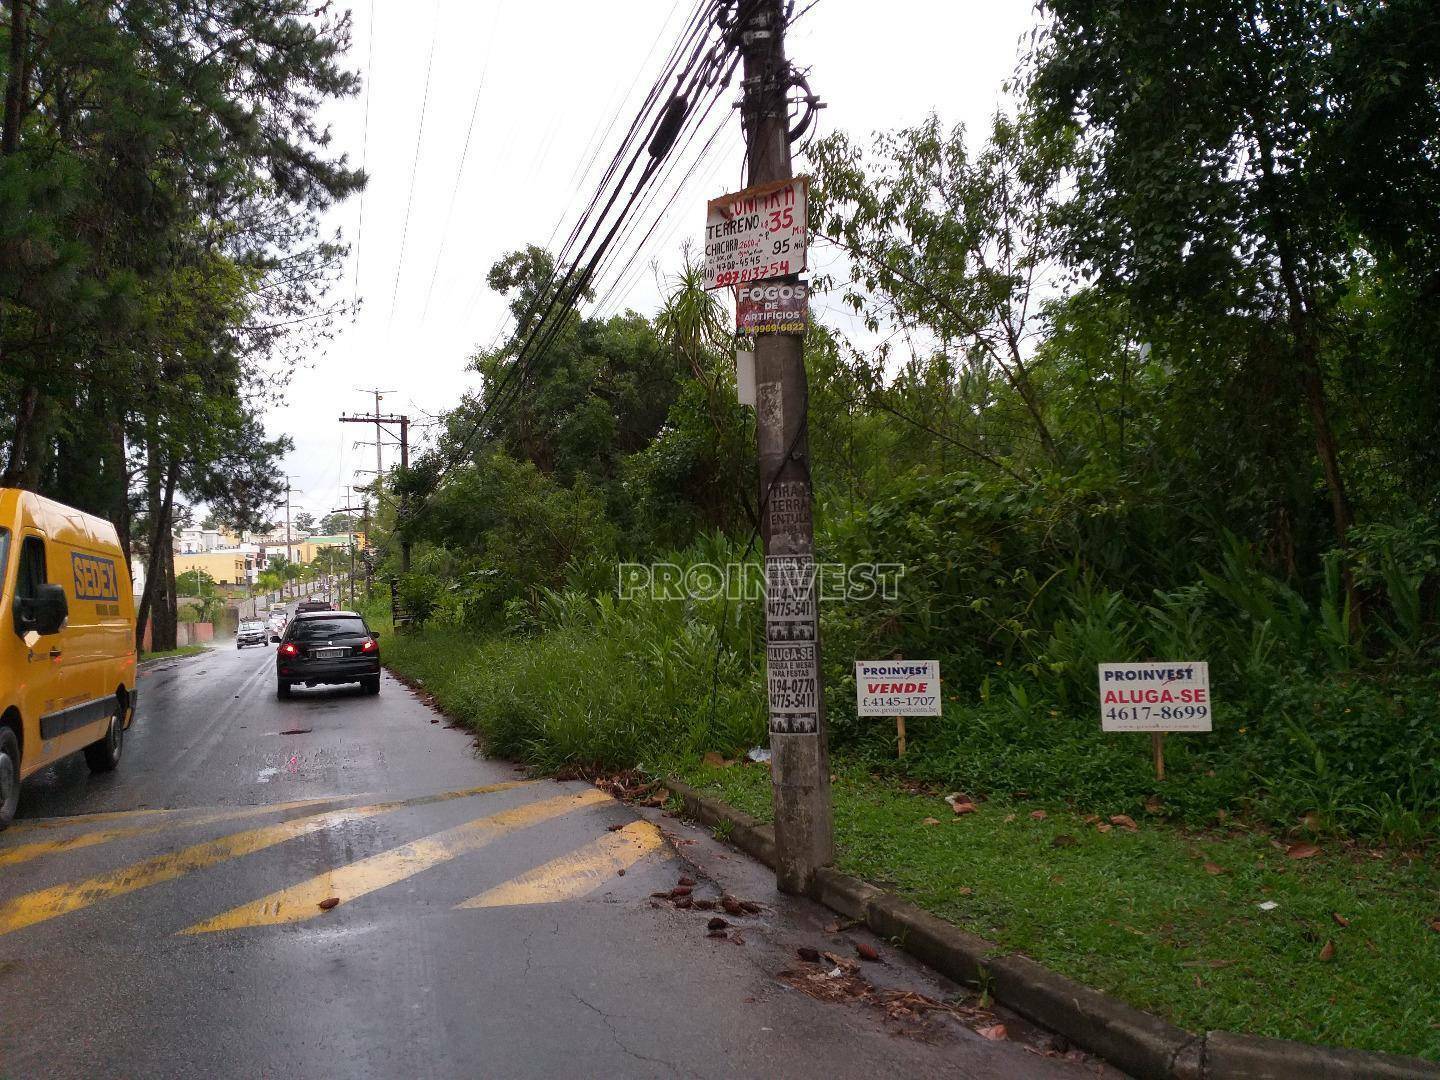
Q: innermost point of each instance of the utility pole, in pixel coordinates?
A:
(348, 509)
(800, 769)
(289, 557)
(380, 419)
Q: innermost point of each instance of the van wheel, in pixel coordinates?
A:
(9, 776)
(282, 688)
(104, 755)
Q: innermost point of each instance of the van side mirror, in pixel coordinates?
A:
(45, 612)
(375, 634)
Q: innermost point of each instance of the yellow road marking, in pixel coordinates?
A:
(71, 896)
(86, 819)
(24, 852)
(574, 875)
(301, 902)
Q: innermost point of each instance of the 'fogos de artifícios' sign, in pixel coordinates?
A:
(755, 234)
(772, 307)
(897, 687)
(1155, 696)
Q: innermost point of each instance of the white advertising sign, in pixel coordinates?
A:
(1155, 696)
(756, 234)
(897, 687)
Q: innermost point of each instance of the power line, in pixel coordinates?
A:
(415, 162)
(464, 154)
(698, 73)
(364, 150)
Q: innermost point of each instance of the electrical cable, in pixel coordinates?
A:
(415, 164)
(364, 155)
(580, 264)
(464, 155)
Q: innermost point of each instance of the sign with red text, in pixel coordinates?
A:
(755, 234)
(772, 307)
(1155, 696)
(897, 687)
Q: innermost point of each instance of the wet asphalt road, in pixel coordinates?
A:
(164, 921)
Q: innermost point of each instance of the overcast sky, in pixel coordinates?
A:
(555, 75)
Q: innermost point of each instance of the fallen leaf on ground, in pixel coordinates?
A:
(686, 879)
(965, 890)
(731, 905)
(1064, 840)
(716, 923)
(1102, 827)
(1037, 815)
(1125, 821)
(1214, 868)
(996, 1032)
(1090, 819)
(1327, 953)
(1435, 924)
(1301, 851)
(613, 828)
(715, 760)
(329, 902)
(1340, 920)
(805, 952)
(1009, 818)
(931, 821)
(866, 951)
(1153, 805)
(680, 890)
(963, 808)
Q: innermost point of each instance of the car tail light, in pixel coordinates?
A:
(369, 645)
(288, 649)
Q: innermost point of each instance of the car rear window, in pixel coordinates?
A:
(310, 629)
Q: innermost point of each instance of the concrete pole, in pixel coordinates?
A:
(800, 767)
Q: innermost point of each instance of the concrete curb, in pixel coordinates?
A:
(1135, 1041)
(145, 665)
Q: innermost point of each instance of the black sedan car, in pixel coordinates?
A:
(327, 647)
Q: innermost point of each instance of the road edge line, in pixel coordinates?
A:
(1136, 1041)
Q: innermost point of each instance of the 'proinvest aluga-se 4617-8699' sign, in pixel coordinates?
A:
(756, 234)
(1155, 696)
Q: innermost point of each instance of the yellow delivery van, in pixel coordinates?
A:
(67, 640)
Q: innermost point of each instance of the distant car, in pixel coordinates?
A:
(251, 633)
(313, 605)
(278, 619)
(327, 647)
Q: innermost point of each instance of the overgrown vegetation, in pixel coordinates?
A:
(1147, 371)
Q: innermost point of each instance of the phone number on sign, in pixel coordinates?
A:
(753, 273)
(1162, 712)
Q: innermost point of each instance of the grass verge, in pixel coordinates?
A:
(1165, 918)
(165, 654)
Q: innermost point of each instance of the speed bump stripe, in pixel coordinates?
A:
(574, 875)
(25, 852)
(302, 901)
(43, 904)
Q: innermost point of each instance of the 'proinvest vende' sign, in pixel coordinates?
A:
(1155, 696)
(897, 687)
